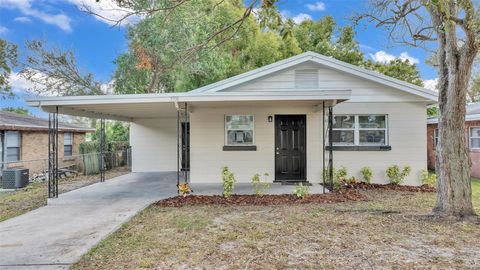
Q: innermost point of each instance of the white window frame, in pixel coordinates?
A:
(356, 130)
(435, 136)
(19, 147)
(470, 137)
(226, 130)
(71, 144)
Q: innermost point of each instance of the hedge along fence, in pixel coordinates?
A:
(116, 155)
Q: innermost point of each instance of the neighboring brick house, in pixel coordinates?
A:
(472, 136)
(24, 141)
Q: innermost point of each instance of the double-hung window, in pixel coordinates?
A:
(67, 144)
(239, 130)
(13, 145)
(474, 138)
(360, 130)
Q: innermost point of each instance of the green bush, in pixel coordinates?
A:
(259, 186)
(338, 176)
(367, 174)
(301, 191)
(428, 179)
(395, 175)
(228, 180)
(341, 174)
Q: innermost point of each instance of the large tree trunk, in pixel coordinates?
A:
(454, 195)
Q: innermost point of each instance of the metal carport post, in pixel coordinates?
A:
(52, 173)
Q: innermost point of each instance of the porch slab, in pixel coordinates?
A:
(247, 189)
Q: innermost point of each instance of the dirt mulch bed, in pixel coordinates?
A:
(334, 197)
(366, 186)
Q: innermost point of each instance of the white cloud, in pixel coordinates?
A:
(22, 19)
(106, 11)
(3, 29)
(20, 84)
(431, 84)
(299, 18)
(108, 88)
(384, 57)
(318, 6)
(25, 7)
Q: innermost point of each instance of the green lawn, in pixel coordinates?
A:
(35, 195)
(476, 194)
(393, 230)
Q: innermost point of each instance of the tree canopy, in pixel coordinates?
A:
(8, 60)
(152, 64)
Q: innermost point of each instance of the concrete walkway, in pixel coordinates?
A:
(55, 236)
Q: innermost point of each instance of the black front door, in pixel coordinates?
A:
(290, 147)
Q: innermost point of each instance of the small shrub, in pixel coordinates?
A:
(367, 174)
(351, 181)
(259, 186)
(301, 191)
(395, 175)
(337, 176)
(228, 180)
(341, 174)
(428, 179)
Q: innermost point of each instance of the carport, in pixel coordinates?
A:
(177, 106)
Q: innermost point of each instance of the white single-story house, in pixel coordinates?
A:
(272, 119)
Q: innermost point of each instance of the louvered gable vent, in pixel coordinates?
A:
(306, 78)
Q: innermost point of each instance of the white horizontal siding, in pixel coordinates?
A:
(362, 90)
(207, 141)
(407, 135)
(154, 145)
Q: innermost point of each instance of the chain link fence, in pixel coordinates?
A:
(76, 165)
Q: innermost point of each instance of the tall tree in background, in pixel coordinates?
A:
(8, 60)
(152, 63)
(53, 71)
(19, 110)
(455, 27)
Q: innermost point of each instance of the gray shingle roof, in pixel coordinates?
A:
(15, 121)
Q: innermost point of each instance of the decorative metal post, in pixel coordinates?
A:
(53, 154)
(178, 149)
(186, 142)
(330, 144)
(102, 150)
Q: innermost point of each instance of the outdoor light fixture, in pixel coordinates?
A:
(270, 119)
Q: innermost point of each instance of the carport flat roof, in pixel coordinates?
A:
(128, 107)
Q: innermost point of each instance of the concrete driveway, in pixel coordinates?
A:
(55, 236)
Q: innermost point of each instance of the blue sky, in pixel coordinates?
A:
(96, 43)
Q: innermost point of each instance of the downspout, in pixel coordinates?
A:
(323, 145)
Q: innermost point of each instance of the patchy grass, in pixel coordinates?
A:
(392, 230)
(476, 194)
(14, 203)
